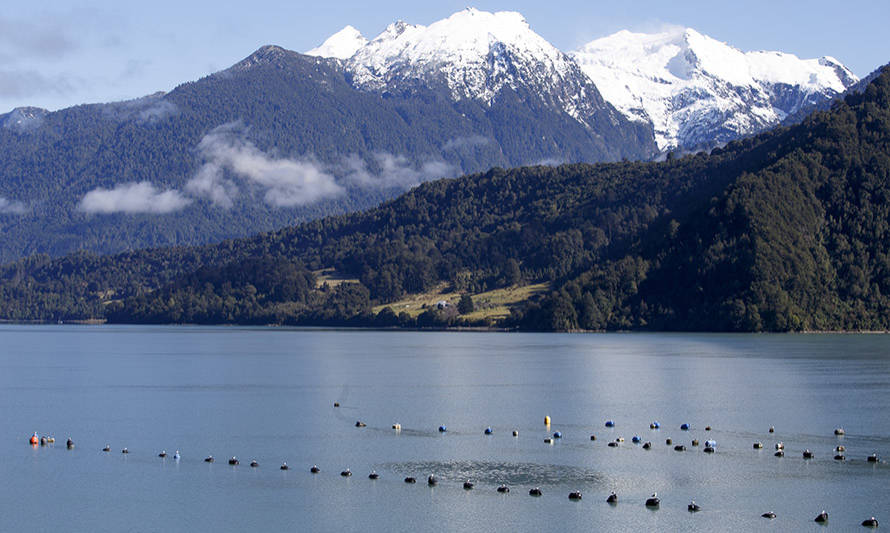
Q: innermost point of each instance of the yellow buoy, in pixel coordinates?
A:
(547, 420)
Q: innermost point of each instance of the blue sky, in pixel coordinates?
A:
(54, 55)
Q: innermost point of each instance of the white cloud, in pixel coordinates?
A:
(392, 171)
(133, 198)
(287, 182)
(465, 142)
(8, 207)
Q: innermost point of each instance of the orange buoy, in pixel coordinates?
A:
(34, 439)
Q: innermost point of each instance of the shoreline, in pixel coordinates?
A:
(475, 329)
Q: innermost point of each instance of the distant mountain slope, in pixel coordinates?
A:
(787, 230)
(696, 90)
(276, 139)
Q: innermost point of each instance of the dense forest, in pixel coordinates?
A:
(286, 106)
(788, 230)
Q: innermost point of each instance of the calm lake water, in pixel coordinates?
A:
(268, 394)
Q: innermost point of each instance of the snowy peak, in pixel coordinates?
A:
(696, 89)
(341, 45)
(472, 52)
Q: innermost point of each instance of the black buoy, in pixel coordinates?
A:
(503, 489)
(653, 501)
(575, 495)
(647, 445)
(254, 464)
(314, 469)
(163, 454)
(336, 404)
(70, 444)
(679, 448)
(769, 515)
(821, 517)
(346, 473)
(807, 454)
(107, 448)
(234, 461)
(432, 481)
(285, 467)
(613, 444)
(373, 475)
(780, 453)
(208, 459)
(840, 432)
(693, 507)
(870, 522)
(410, 479)
(772, 430)
(613, 498)
(873, 458)
(709, 449)
(468, 485)
(593, 437)
(360, 424)
(840, 457)
(707, 428)
(125, 451)
(668, 442)
(515, 433)
(535, 492)
(758, 445)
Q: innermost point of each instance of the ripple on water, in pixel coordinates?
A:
(496, 473)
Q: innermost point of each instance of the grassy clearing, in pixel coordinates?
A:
(331, 277)
(494, 304)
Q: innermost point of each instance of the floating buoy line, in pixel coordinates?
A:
(652, 503)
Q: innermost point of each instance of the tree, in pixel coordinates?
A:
(465, 305)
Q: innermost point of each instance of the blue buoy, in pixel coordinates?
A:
(442, 429)
(610, 423)
(557, 435)
(685, 427)
(710, 443)
(636, 439)
(654, 425)
(488, 431)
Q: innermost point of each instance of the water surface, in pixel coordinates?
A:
(268, 394)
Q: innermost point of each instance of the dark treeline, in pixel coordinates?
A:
(784, 231)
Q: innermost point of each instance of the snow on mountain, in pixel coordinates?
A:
(474, 55)
(341, 45)
(695, 89)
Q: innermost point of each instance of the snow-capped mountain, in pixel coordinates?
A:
(341, 45)
(697, 90)
(472, 55)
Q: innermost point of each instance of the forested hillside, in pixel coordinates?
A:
(784, 231)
